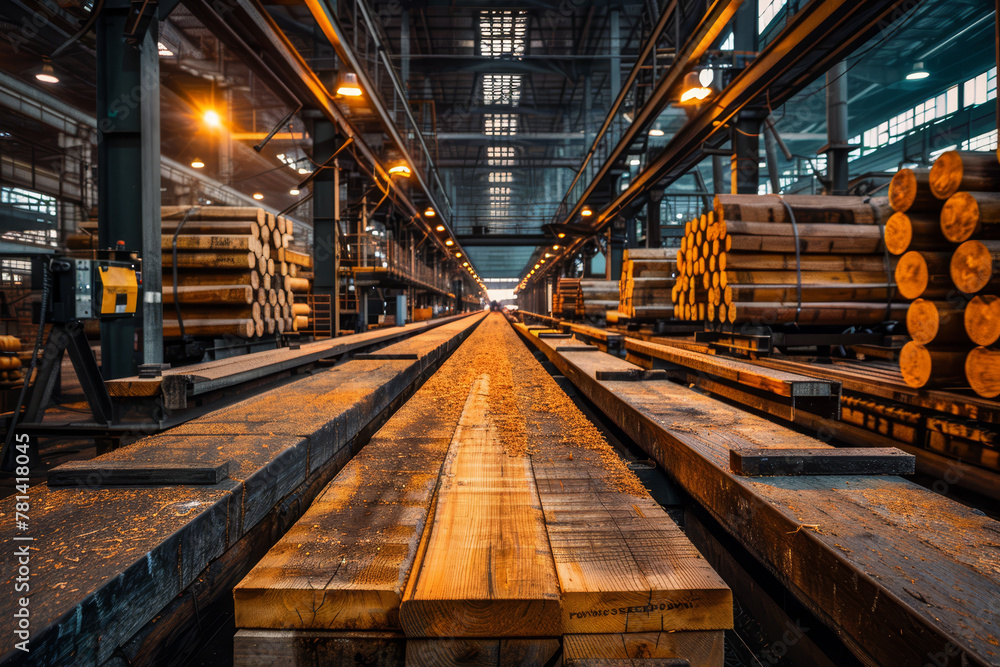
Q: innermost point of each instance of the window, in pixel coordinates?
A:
(766, 12)
(500, 156)
(982, 142)
(501, 32)
(500, 124)
(902, 124)
(502, 89)
(500, 177)
(980, 89)
(729, 43)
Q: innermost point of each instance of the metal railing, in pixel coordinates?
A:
(401, 263)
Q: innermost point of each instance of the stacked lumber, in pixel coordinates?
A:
(236, 275)
(953, 272)
(598, 296)
(647, 282)
(10, 360)
(567, 299)
(462, 535)
(778, 260)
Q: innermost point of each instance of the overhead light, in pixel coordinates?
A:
(400, 168)
(47, 74)
(635, 162)
(458, 254)
(258, 196)
(542, 261)
(694, 91)
(561, 235)
(706, 76)
(656, 132)
(465, 263)
(586, 212)
(293, 191)
(197, 164)
(548, 254)
(429, 212)
(918, 73)
(348, 84)
(211, 118)
(164, 50)
(449, 242)
(536, 266)
(555, 247)
(439, 228)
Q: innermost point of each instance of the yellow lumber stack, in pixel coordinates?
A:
(647, 282)
(951, 268)
(235, 272)
(567, 300)
(780, 260)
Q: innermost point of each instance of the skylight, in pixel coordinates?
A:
(501, 32)
(502, 89)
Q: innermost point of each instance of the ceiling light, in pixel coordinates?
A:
(542, 261)
(635, 162)
(197, 164)
(561, 235)
(536, 266)
(258, 196)
(429, 212)
(465, 263)
(211, 118)
(586, 212)
(656, 132)
(918, 73)
(548, 254)
(348, 85)
(694, 91)
(458, 254)
(293, 191)
(706, 76)
(555, 247)
(400, 168)
(449, 242)
(164, 50)
(439, 228)
(47, 74)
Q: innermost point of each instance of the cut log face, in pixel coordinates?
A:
(976, 265)
(971, 214)
(982, 369)
(935, 321)
(964, 170)
(922, 366)
(915, 271)
(909, 185)
(982, 319)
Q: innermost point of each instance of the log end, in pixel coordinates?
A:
(915, 364)
(959, 217)
(946, 175)
(902, 190)
(982, 370)
(923, 321)
(971, 267)
(898, 233)
(912, 275)
(982, 319)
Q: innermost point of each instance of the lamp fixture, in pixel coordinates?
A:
(258, 196)
(656, 132)
(918, 73)
(561, 235)
(348, 84)
(586, 212)
(197, 163)
(439, 228)
(47, 74)
(400, 168)
(293, 191)
(449, 243)
(694, 90)
(429, 212)
(211, 118)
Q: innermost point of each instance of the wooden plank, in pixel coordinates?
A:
(485, 569)
(697, 648)
(97, 473)
(373, 356)
(502, 652)
(628, 662)
(847, 461)
(892, 539)
(628, 375)
(308, 648)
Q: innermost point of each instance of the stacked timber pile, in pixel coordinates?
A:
(236, 275)
(647, 282)
(10, 359)
(950, 221)
(598, 296)
(567, 300)
(780, 260)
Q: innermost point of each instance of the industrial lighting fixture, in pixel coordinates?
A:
(586, 212)
(348, 84)
(293, 191)
(211, 118)
(458, 254)
(548, 254)
(47, 74)
(656, 132)
(536, 266)
(918, 73)
(635, 162)
(542, 261)
(694, 90)
(429, 212)
(439, 228)
(400, 168)
(465, 263)
(449, 242)
(258, 196)
(561, 235)
(197, 164)
(555, 247)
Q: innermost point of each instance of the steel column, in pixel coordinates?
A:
(837, 148)
(326, 249)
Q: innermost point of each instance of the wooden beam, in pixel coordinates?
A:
(97, 473)
(761, 462)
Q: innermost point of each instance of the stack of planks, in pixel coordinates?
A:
(488, 522)
(598, 296)
(794, 259)
(645, 290)
(947, 222)
(236, 275)
(567, 300)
